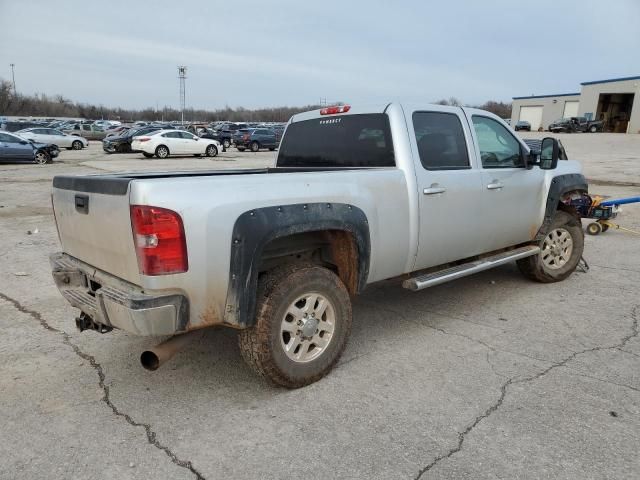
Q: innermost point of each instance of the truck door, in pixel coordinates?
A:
(511, 194)
(449, 186)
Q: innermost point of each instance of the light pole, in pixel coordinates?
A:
(13, 77)
(182, 75)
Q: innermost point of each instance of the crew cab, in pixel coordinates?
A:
(426, 193)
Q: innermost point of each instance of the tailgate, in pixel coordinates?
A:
(92, 214)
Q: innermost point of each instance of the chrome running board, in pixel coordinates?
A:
(465, 269)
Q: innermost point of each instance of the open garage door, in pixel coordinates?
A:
(570, 109)
(533, 115)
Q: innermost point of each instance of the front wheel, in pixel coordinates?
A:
(593, 129)
(76, 145)
(303, 322)
(41, 157)
(211, 151)
(561, 251)
(226, 143)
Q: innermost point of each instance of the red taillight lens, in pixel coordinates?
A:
(246, 136)
(336, 109)
(158, 236)
(143, 139)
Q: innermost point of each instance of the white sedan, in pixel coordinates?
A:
(174, 142)
(54, 137)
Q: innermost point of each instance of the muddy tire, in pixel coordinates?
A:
(561, 251)
(303, 322)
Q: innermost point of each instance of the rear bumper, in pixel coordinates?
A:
(113, 302)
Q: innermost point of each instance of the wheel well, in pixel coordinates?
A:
(563, 203)
(334, 249)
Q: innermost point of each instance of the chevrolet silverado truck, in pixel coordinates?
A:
(426, 193)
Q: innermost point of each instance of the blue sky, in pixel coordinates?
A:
(274, 53)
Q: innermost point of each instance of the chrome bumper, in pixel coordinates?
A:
(115, 303)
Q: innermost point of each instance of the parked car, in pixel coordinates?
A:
(357, 196)
(255, 139)
(522, 125)
(226, 132)
(87, 130)
(106, 124)
(54, 137)
(211, 134)
(15, 148)
(174, 142)
(122, 143)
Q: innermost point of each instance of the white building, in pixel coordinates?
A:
(615, 101)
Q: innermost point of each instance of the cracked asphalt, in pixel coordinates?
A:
(491, 376)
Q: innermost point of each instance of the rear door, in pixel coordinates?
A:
(511, 194)
(449, 186)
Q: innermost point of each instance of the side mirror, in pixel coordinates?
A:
(549, 153)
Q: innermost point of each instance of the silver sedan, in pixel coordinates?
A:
(54, 137)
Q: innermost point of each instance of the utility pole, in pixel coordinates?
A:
(13, 77)
(182, 75)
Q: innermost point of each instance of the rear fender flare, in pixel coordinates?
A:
(254, 229)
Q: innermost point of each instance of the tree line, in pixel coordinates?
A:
(41, 105)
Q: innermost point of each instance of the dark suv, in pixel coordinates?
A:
(227, 131)
(255, 139)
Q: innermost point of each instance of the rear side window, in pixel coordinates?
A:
(440, 140)
(342, 141)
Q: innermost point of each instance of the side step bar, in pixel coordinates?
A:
(465, 269)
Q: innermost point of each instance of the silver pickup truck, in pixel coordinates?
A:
(357, 195)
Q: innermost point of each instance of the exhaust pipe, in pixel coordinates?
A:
(155, 357)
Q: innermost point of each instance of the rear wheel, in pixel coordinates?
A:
(271, 149)
(255, 146)
(41, 157)
(593, 129)
(162, 151)
(241, 149)
(211, 151)
(303, 322)
(561, 251)
(148, 155)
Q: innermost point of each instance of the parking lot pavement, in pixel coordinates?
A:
(489, 376)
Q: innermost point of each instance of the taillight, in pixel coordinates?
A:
(246, 136)
(158, 235)
(336, 109)
(143, 139)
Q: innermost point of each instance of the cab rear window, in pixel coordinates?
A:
(338, 141)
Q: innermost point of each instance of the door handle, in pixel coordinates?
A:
(495, 185)
(433, 190)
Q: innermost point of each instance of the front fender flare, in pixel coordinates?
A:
(560, 185)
